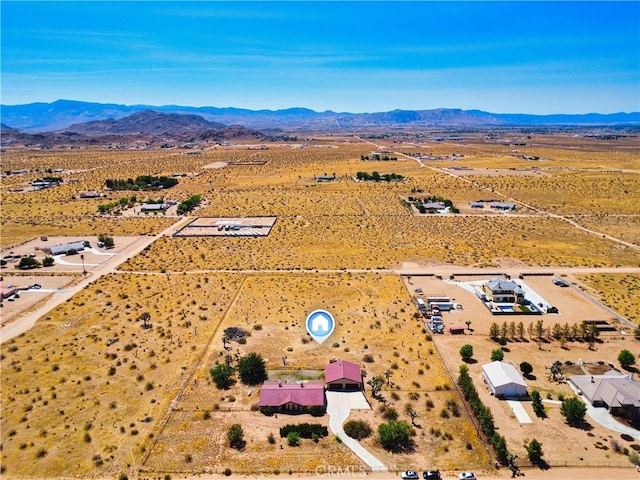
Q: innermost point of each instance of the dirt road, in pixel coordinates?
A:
(24, 322)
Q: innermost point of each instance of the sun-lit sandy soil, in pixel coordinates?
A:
(74, 406)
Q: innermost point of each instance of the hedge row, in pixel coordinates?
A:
(305, 430)
(483, 414)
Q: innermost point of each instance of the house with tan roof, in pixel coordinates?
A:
(618, 393)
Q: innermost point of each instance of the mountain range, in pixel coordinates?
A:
(85, 117)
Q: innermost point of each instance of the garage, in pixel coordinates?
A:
(343, 376)
(504, 380)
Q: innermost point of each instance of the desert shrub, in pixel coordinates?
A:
(268, 411)
(316, 410)
(293, 439)
(395, 436)
(466, 352)
(497, 355)
(389, 413)
(235, 436)
(357, 429)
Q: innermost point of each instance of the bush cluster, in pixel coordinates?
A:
(304, 430)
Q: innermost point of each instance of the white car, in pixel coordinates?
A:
(409, 475)
(467, 476)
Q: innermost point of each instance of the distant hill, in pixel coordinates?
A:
(147, 121)
(66, 114)
(141, 130)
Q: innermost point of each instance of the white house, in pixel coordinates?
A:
(504, 380)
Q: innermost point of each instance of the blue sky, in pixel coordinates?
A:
(503, 57)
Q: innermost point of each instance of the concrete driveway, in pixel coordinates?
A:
(339, 406)
(602, 416)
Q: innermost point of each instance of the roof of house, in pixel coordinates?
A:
(155, 206)
(342, 370)
(306, 394)
(502, 373)
(503, 205)
(614, 389)
(500, 284)
(65, 247)
(7, 291)
(435, 205)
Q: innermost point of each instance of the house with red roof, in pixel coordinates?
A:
(292, 397)
(341, 375)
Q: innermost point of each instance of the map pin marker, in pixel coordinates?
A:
(320, 325)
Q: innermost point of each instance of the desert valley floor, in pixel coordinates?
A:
(106, 354)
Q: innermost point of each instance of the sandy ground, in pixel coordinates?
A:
(126, 247)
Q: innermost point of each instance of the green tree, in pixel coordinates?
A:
(48, 262)
(106, 241)
(497, 355)
(27, 263)
(395, 436)
(499, 444)
(534, 450)
(526, 368)
(235, 436)
(536, 404)
(466, 352)
(626, 358)
(252, 369)
(222, 375)
(573, 409)
(494, 331)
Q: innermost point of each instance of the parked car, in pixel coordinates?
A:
(409, 475)
(432, 475)
(36, 286)
(560, 282)
(467, 476)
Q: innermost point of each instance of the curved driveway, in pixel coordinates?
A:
(339, 406)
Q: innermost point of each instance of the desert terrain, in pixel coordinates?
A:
(105, 371)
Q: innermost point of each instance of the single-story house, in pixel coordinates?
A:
(8, 291)
(504, 380)
(292, 397)
(343, 375)
(90, 194)
(325, 178)
(618, 393)
(434, 205)
(503, 206)
(500, 290)
(477, 205)
(67, 248)
(155, 207)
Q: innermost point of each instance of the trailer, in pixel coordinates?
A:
(442, 306)
(421, 305)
